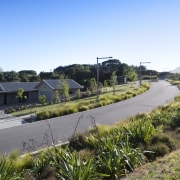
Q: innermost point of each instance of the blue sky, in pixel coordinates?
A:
(41, 35)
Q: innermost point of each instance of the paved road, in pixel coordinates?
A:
(38, 133)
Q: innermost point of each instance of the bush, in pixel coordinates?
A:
(7, 168)
(69, 165)
(139, 131)
(163, 138)
(116, 159)
(178, 130)
(77, 142)
(158, 150)
(83, 108)
(25, 162)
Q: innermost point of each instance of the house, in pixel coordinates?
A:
(32, 90)
(48, 87)
(8, 92)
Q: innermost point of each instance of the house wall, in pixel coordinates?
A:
(32, 96)
(1, 98)
(44, 89)
(10, 98)
(73, 92)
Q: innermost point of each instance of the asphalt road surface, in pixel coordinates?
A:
(38, 134)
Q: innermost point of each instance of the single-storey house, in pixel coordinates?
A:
(8, 92)
(48, 87)
(32, 90)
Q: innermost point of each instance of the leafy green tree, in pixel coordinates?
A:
(34, 78)
(56, 97)
(10, 76)
(63, 89)
(130, 73)
(20, 94)
(49, 75)
(42, 99)
(78, 94)
(28, 76)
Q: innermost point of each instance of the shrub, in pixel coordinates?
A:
(25, 162)
(69, 165)
(163, 138)
(116, 159)
(158, 150)
(178, 130)
(40, 115)
(56, 113)
(83, 108)
(7, 168)
(160, 118)
(77, 142)
(14, 155)
(139, 131)
(176, 119)
(177, 98)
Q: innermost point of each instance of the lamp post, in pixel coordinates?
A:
(97, 93)
(140, 75)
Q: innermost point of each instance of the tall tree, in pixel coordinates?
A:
(10, 76)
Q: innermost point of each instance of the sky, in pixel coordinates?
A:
(42, 35)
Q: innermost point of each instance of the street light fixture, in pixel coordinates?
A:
(140, 75)
(97, 93)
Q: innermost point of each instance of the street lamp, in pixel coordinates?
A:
(97, 93)
(140, 71)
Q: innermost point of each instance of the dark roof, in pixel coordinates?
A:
(14, 86)
(54, 83)
(30, 86)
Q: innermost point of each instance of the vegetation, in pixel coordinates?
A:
(42, 99)
(20, 94)
(108, 152)
(50, 111)
(80, 73)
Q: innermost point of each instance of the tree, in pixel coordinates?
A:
(63, 89)
(10, 76)
(78, 94)
(114, 81)
(130, 73)
(20, 94)
(56, 98)
(42, 99)
(105, 84)
(93, 86)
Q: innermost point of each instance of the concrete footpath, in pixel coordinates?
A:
(8, 121)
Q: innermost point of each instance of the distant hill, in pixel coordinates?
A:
(177, 70)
